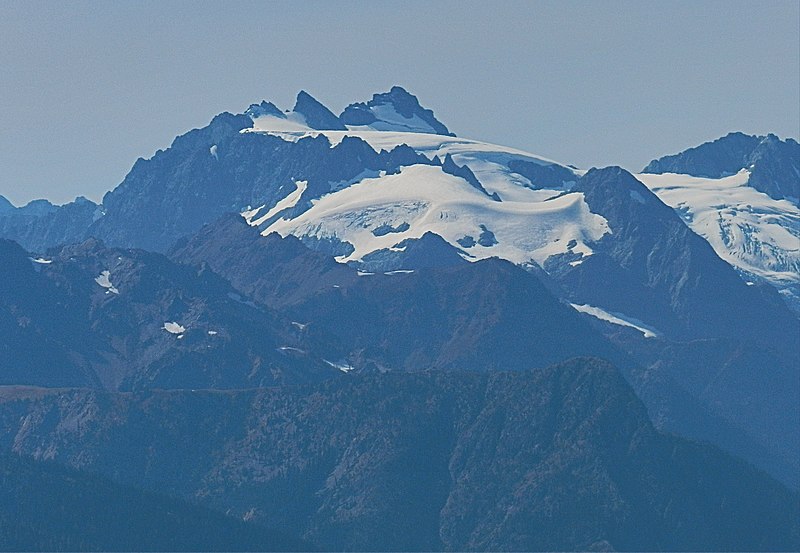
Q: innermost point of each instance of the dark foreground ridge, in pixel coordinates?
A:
(563, 458)
(47, 507)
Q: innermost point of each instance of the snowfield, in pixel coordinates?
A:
(758, 235)
(527, 224)
(426, 199)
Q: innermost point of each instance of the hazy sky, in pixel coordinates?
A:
(86, 88)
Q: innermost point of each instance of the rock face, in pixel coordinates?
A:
(428, 251)
(449, 315)
(653, 266)
(543, 176)
(774, 164)
(396, 110)
(5, 205)
(185, 187)
(559, 458)
(316, 115)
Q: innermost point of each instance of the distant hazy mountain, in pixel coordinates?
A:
(40, 225)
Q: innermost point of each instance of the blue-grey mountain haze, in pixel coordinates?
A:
(87, 88)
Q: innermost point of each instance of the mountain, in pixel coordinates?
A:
(455, 314)
(308, 113)
(279, 272)
(654, 268)
(496, 211)
(47, 507)
(283, 160)
(558, 458)
(773, 164)
(738, 343)
(40, 225)
(127, 319)
(481, 316)
(212, 171)
(754, 233)
(396, 110)
(289, 311)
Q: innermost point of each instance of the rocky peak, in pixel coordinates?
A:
(774, 164)
(317, 116)
(396, 110)
(264, 108)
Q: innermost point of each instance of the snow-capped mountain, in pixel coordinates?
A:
(374, 251)
(365, 187)
(755, 233)
(486, 200)
(740, 193)
(396, 110)
(773, 164)
(506, 203)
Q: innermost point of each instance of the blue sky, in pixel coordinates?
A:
(87, 88)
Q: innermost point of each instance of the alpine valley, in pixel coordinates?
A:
(296, 330)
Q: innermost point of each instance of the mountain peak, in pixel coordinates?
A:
(262, 109)
(773, 164)
(396, 110)
(317, 116)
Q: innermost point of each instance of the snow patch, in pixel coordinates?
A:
(249, 213)
(289, 201)
(290, 348)
(174, 328)
(104, 280)
(617, 319)
(343, 366)
(388, 119)
(292, 122)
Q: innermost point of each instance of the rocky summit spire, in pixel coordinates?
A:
(396, 110)
(317, 116)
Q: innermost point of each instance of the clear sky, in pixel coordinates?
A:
(86, 88)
